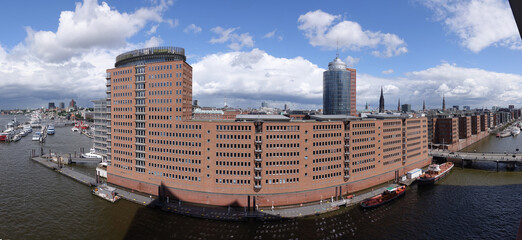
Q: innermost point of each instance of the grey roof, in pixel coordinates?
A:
(333, 117)
(246, 117)
(388, 116)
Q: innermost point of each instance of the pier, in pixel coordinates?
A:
(467, 158)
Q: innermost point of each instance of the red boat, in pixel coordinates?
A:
(4, 137)
(390, 194)
(434, 173)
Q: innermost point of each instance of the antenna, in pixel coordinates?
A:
(337, 53)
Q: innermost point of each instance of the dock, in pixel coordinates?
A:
(79, 177)
(323, 206)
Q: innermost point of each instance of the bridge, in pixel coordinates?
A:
(511, 159)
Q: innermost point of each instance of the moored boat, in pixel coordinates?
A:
(434, 173)
(50, 130)
(91, 154)
(37, 136)
(389, 194)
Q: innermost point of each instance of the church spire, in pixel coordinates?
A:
(443, 103)
(399, 105)
(381, 102)
(424, 105)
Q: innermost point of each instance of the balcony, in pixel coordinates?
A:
(257, 178)
(258, 150)
(347, 153)
(257, 169)
(258, 141)
(346, 169)
(258, 160)
(257, 187)
(347, 145)
(346, 176)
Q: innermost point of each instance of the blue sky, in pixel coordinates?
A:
(274, 51)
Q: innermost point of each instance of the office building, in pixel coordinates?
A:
(339, 89)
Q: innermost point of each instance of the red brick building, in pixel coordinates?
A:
(157, 148)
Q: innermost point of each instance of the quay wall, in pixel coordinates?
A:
(264, 200)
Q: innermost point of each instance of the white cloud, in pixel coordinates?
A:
(270, 34)
(351, 61)
(460, 86)
(237, 41)
(154, 42)
(173, 22)
(389, 71)
(250, 77)
(327, 31)
(90, 25)
(192, 28)
(152, 29)
(478, 23)
(71, 62)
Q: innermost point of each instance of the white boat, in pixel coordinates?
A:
(17, 138)
(37, 136)
(28, 128)
(515, 131)
(50, 130)
(75, 129)
(91, 154)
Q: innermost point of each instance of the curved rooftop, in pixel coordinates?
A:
(150, 55)
(337, 65)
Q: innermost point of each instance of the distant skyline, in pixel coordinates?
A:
(250, 52)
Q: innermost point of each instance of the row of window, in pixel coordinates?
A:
(392, 149)
(356, 155)
(362, 125)
(175, 143)
(391, 129)
(281, 181)
(327, 143)
(233, 128)
(362, 147)
(282, 128)
(232, 154)
(324, 168)
(326, 135)
(232, 136)
(122, 87)
(176, 160)
(391, 161)
(282, 154)
(232, 145)
(116, 73)
(392, 142)
(354, 163)
(233, 172)
(363, 169)
(175, 168)
(326, 159)
(281, 163)
(327, 127)
(282, 145)
(175, 151)
(175, 176)
(391, 155)
(282, 171)
(233, 164)
(357, 133)
(359, 140)
(328, 175)
(282, 137)
(327, 151)
(188, 126)
(233, 181)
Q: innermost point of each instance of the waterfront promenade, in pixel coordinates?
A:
(484, 157)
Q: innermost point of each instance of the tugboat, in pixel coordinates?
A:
(390, 194)
(434, 173)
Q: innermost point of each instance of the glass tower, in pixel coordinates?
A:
(336, 89)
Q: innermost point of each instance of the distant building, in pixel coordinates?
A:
(338, 97)
(456, 107)
(406, 107)
(62, 105)
(51, 105)
(511, 107)
(466, 108)
(101, 116)
(72, 104)
(264, 104)
(196, 103)
(381, 102)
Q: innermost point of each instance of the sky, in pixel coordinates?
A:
(247, 52)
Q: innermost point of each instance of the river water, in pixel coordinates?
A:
(37, 203)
